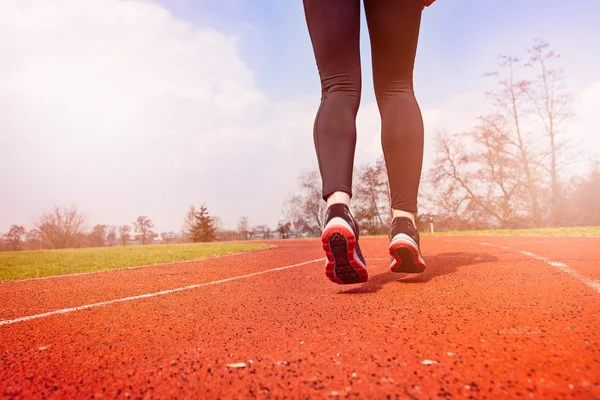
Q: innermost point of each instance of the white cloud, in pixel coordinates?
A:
(124, 109)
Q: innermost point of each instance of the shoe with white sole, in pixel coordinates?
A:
(345, 263)
(405, 247)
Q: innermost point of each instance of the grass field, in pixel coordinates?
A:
(592, 231)
(36, 264)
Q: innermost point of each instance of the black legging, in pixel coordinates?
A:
(334, 27)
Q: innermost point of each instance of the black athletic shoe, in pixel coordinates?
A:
(345, 262)
(404, 247)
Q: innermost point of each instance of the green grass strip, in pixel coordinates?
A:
(16, 265)
(582, 231)
(585, 231)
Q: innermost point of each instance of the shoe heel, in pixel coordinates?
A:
(407, 259)
(341, 266)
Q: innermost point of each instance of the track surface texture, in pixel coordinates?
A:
(514, 317)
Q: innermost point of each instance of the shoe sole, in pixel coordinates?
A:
(343, 265)
(407, 258)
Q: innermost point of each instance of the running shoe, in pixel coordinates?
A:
(345, 263)
(405, 247)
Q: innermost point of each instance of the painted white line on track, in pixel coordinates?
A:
(144, 296)
(167, 264)
(592, 283)
(532, 255)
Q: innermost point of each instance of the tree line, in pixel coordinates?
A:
(67, 227)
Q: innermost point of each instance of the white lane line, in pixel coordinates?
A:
(532, 255)
(593, 284)
(144, 296)
(167, 264)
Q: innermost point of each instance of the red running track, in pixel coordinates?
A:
(514, 317)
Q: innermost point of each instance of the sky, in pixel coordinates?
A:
(126, 107)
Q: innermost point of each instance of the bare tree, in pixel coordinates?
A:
(243, 228)
(308, 206)
(264, 230)
(478, 179)
(14, 237)
(512, 106)
(284, 229)
(189, 220)
(97, 237)
(371, 199)
(143, 226)
(167, 237)
(111, 235)
(450, 176)
(61, 227)
(124, 237)
(553, 108)
(33, 240)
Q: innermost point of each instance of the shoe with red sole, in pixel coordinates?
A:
(345, 263)
(405, 247)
